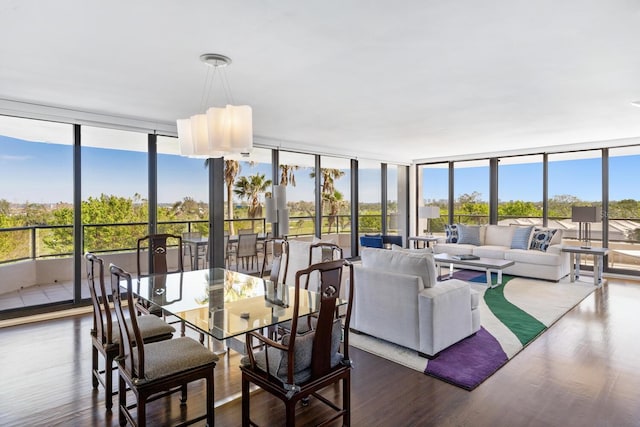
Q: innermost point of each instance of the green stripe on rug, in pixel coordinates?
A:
(522, 324)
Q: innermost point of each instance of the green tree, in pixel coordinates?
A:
(330, 196)
(519, 208)
(560, 205)
(250, 188)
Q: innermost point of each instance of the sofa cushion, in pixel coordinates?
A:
(541, 239)
(469, 234)
(534, 257)
(521, 238)
(401, 262)
(453, 249)
(451, 233)
(426, 253)
(498, 235)
(488, 251)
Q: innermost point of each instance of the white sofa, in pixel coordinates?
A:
(397, 298)
(497, 241)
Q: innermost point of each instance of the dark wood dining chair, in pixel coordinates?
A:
(105, 335)
(155, 248)
(155, 370)
(299, 366)
(158, 245)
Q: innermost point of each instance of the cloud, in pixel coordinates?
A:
(14, 158)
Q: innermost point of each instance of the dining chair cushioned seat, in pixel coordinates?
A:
(161, 358)
(278, 363)
(150, 326)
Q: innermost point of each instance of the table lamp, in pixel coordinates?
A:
(429, 212)
(585, 215)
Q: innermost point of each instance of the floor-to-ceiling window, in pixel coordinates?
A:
(36, 212)
(471, 192)
(433, 187)
(520, 190)
(623, 211)
(336, 199)
(297, 173)
(575, 179)
(392, 220)
(115, 208)
(247, 180)
(183, 190)
(369, 197)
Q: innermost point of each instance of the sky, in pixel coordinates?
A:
(43, 173)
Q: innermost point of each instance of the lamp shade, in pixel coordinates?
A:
(271, 214)
(283, 222)
(586, 213)
(218, 132)
(280, 195)
(429, 212)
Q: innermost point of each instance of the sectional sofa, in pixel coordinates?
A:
(536, 251)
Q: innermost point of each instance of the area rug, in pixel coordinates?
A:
(511, 317)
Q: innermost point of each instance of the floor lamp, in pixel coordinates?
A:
(276, 211)
(585, 215)
(429, 212)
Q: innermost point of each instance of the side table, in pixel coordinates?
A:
(424, 239)
(598, 261)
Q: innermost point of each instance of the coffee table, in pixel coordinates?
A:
(489, 265)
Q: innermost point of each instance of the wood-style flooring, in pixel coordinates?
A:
(583, 371)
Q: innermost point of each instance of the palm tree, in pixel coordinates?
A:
(287, 176)
(231, 170)
(250, 188)
(329, 192)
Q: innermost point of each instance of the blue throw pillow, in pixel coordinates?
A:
(520, 239)
(451, 233)
(469, 234)
(541, 239)
(371, 241)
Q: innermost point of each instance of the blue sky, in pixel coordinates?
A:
(42, 173)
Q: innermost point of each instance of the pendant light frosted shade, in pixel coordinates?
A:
(218, 132)
(280, 194)
(271, 214)
(283, 222)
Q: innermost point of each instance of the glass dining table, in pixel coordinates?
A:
(223, 303)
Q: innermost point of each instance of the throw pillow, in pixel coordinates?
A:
(521, 237)
(427, 253)
(451, 233)
(469, 234)
(541, 239)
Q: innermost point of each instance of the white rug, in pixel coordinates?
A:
(546, 301)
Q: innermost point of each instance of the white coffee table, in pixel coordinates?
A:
(489, 265)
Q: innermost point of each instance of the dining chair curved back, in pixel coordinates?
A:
(299, 366)
(105, 335)
(158, 247)
(156, 369)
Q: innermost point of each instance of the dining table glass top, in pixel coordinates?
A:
(223, 303)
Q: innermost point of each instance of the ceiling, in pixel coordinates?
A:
(394, 81)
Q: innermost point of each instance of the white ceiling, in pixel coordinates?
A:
(389, 80)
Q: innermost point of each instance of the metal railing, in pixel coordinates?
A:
(50, 241)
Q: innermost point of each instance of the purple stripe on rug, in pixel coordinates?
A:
(465, 275)
(469, 362)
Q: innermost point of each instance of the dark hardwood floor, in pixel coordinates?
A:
(584, 371)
